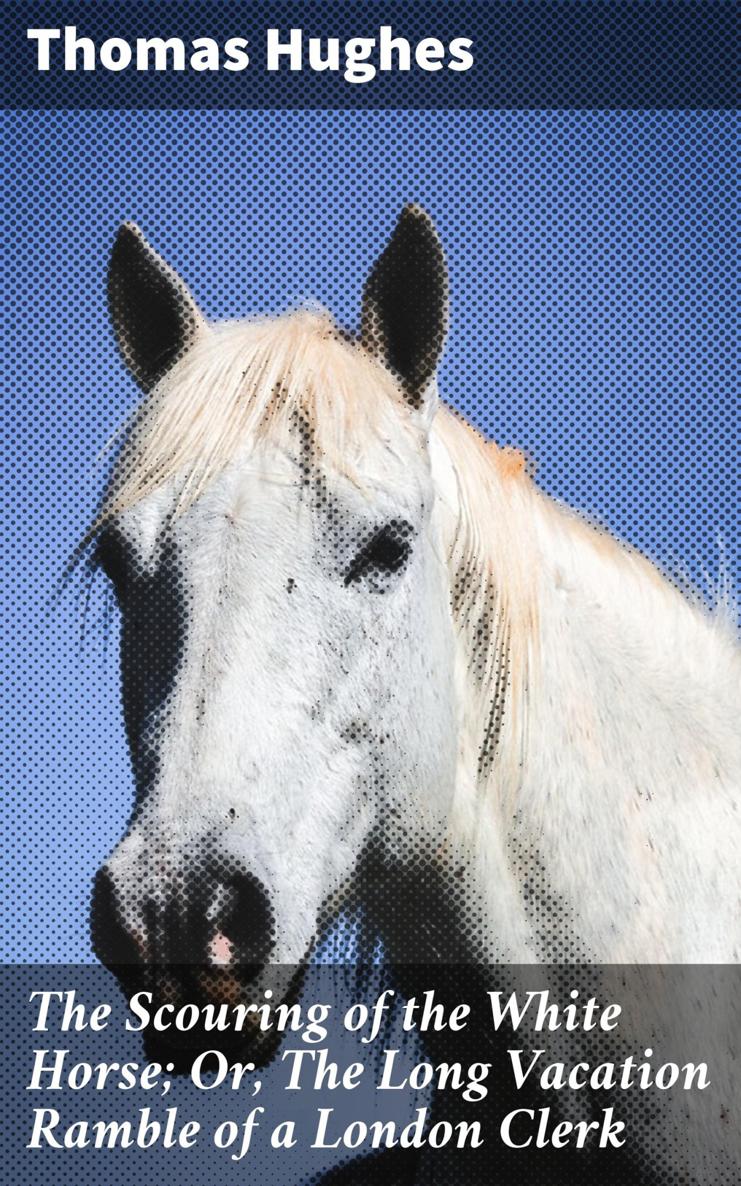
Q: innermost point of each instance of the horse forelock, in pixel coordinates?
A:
(295, 379)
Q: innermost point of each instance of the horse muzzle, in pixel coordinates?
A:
(191, 939)
(188, 938)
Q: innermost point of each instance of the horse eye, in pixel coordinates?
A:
(110, 557)
(386, 552)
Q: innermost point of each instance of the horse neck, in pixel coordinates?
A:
(616, 766)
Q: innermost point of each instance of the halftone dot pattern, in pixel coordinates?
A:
(592, 326)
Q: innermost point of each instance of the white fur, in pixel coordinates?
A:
(302, 720)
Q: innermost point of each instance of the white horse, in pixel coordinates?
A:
(350, 624)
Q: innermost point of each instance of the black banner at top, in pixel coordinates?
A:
(595, 53)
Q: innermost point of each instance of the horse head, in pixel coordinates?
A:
(271, 530)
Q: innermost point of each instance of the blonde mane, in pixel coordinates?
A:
(493, 569)
(242, 382)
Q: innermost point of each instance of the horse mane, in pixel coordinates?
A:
(514, 554)
(493, 571)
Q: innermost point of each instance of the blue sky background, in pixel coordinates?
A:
(594, 309)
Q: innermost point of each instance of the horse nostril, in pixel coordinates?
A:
(113, 944)
(245, 923)
(221, 920)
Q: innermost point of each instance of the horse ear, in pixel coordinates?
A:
(154, 316)
(405, 303)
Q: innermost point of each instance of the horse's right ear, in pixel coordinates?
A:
(154, 316)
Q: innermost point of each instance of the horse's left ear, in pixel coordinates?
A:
(154, 316)
(405, 304)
